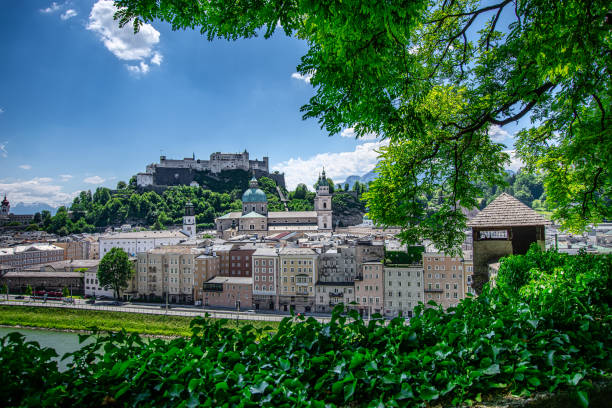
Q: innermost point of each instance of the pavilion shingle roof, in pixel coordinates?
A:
(507, 211)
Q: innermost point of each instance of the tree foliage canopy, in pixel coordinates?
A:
(434, 77)
(115, 270)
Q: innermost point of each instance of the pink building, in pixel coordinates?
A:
(369, 288)
(265, 278)
(228, 292)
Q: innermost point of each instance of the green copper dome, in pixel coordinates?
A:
(254, 195)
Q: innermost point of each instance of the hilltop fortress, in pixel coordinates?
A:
(171, 172)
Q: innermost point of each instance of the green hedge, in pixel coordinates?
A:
(553, 333)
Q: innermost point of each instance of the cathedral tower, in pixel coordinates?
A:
(323, 204)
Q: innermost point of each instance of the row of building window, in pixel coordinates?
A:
(263, 262)
(309, 262)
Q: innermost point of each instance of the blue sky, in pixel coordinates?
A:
(84, 104)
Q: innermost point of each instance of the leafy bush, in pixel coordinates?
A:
(414, 254)
(500, 342)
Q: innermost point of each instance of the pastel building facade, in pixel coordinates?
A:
(298, 276)
(403, 289)
(265, 263)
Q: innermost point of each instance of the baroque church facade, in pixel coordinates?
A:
(256, 219)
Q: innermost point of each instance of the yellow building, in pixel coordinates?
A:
(298, 275)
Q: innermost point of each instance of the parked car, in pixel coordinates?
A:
(19, 297)
(90, 301)
(251, 311)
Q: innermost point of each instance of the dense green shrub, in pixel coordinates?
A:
(413, 254)
(503, 341)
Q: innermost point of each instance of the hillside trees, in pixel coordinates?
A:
(434, 78)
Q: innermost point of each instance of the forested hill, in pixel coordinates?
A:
(128, 205)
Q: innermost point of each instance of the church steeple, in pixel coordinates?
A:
(189, 224)
(6, 207)
(323, 204)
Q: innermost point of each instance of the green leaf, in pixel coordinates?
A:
(492, 370)
(349, 390)
(221, 386)
(583, 398)
(535, 381)
(260, 388)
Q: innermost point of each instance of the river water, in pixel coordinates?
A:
(61, 342)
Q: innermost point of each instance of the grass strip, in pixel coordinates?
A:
(77, 319)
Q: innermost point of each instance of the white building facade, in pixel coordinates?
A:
(403, 289)
(92, 286)
(135, 242)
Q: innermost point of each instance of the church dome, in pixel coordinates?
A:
(254, 195)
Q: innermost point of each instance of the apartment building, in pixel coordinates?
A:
(228, 292)
(338, 265)
(367, 250)
(298, 275)
(444, 278)
(369, 289)
(223, 252)
(168, 273)
(23, 256)
(206, 267)
(336, 278)
(330, 294)
(403, 289)
(240, 261)
(468, 272)
(75, 249)
(265, 263)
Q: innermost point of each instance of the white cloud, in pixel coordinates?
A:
(157, 58)
(25, 166)
(350, 133)
(36, 190)
(94, 180)
(65, 177)
(68, 14)
(141, 68)
(122, 42)
(1, 110)
(338, 166)
(306, 78)
(497, 134)
(3, 151)
(515, 162)
(51, 9)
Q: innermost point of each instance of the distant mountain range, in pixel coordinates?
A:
(365, 179)
(33, 208)
(372, 175)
